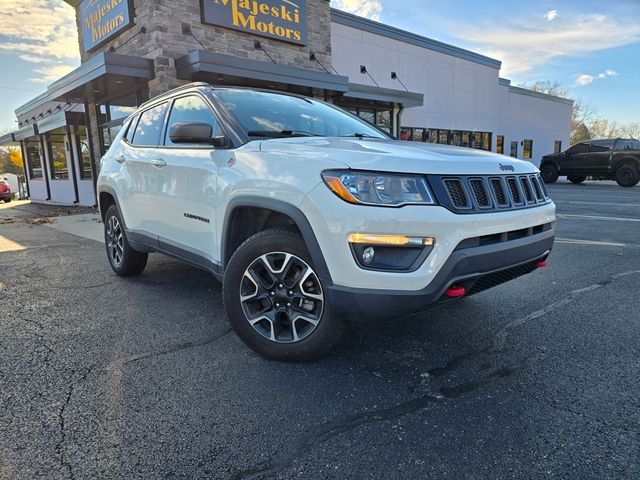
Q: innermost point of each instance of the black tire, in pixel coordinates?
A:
(273, 298)
(576, 178)
(123, 259)
(627, 176)
(7, 200)
(549, 173)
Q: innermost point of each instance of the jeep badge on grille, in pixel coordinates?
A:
(507, 168)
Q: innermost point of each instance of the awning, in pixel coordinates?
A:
(25, 132)
(97, 78)
(6, 139)
(384, 95)
(59, 120)
(221, 69)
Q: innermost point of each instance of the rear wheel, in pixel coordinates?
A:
(627, 176)
(275, 300)
(549, 173)
(576, 178)
(123, 259)
(7, 200)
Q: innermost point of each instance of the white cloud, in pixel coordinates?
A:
(586, 79)
(365, 8)
(524, 46)
(42, 32)
(550, 15)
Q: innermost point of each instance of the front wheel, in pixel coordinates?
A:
(275, 300)
(627, 176)
(549, 173)
(576, 178)
(123, 259)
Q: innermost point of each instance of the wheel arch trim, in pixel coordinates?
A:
(284, 208)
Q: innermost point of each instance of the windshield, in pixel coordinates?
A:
(266, 114)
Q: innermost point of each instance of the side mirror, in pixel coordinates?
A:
(195, 132)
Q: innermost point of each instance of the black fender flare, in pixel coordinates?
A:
(629, 159)
(286, 209)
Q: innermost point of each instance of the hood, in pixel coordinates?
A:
(399, 156)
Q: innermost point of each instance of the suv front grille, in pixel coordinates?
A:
(474, 194)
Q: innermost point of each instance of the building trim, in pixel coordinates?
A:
(6, 139)
(199, 63)
(504, 82)
(359, 23)
(380, 94)
(544, 96)
(59, 120)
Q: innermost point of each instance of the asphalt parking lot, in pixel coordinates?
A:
(103, 377)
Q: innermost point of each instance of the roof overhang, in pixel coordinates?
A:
(221, 69)
(6, 139)
(60, 120)
(384, 95)
(25, 132)
(100, 77)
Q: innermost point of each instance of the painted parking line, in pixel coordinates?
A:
(596, 217)
(577, 241)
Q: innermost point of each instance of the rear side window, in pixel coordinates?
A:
(191, 108)
(579, 148)
(601, 146)
(626, 145)
(131, 128)
(149, 129)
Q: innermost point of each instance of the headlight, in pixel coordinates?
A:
(384, 189)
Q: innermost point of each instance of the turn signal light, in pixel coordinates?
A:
(391, 240)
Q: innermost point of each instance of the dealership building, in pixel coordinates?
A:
(416, 88)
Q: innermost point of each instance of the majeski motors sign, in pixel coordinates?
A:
(284, 20)
(102, 19)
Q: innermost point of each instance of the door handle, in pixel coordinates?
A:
(158, 162)
(120, 158)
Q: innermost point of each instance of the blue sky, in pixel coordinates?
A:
(592, 47)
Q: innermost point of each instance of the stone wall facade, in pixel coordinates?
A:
(171, 25)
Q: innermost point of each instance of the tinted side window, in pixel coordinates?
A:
(579, 148)
(149, 127)
(601, 146)
(192, 108)
(626, 145)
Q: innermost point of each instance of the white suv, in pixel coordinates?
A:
(310, 215)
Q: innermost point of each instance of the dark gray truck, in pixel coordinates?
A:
(614, 159)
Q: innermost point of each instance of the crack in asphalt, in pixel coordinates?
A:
(61, 421)
(324, 432)
(328, 430)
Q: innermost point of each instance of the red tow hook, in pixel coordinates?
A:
(541, 264)
(455, 291)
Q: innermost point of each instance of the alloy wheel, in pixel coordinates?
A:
(281, 297)
(115, 240)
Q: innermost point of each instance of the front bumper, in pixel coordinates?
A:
(475, 268)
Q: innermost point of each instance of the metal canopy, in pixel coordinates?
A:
(384, 95)
(222, 69)
(25, 132)
(6, 139)
(100, 77)
(59, 120)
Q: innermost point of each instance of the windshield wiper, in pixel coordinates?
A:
(360, 135)
(281, 133)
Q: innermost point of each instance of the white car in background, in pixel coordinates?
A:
(311, 216)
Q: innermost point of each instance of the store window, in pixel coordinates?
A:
(34, 159)
(381, 118)
(466, 139)
(418, 135)
(514, 149)
(486, 141)
(190, 109)
(477, 140)
(527, 149)
(57, 157)
(84, 153)
(500, 144)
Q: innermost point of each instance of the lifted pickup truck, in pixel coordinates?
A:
(615, 159)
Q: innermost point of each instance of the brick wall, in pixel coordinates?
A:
(166, 22)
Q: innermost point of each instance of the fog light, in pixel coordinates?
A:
(367, 255)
